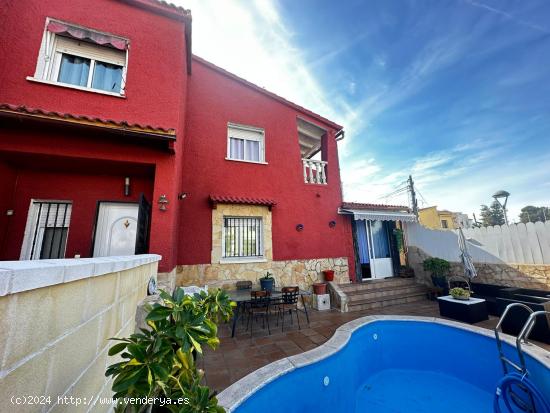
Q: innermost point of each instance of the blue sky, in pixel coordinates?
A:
(454, 92)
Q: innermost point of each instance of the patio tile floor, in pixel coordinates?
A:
(236, 357)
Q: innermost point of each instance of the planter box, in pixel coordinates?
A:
(321, 302)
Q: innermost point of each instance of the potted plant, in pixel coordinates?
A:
(460, 293)
(159, 362)
(329, 275)
(267, 281)
(439, 269)
(319, 288)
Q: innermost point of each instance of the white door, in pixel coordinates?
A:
(381, 265)
(116, 229)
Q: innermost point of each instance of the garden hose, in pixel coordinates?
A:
(514, 403)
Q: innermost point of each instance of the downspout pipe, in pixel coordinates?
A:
(339, 135)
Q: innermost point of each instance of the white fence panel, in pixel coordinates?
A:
(534, 243)
(515, 244)
(543, 234)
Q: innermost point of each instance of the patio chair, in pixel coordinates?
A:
(259, 307)
(289, 303)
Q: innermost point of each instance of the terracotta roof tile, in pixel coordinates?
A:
(229, 199)
(85, 120)
(358, 205)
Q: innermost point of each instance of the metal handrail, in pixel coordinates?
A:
(504, 360)
(460, 278)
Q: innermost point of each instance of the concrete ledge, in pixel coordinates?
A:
(18, 276)
(232, 397)
(338, 298)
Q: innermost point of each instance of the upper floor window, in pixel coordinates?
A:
(444, 223)
(245, 143)
(81, 58)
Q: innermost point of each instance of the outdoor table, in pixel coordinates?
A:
(241, 297)
(470, 311)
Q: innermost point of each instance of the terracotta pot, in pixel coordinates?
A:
(329, 275)
(319, 288)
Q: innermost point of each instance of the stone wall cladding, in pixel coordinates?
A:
(231, 210)
(286, 273)
(533, 276)
(54, 339)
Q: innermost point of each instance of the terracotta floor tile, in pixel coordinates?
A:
(236, 357)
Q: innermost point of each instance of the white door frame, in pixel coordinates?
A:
(379, 267)
(98, 250)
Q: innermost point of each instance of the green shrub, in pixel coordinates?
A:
(459, 292)
(437, 267)
(160, 362)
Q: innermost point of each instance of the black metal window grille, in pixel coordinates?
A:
(50, 229)
(242, 237)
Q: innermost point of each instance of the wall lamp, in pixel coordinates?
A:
(163, 203)
(127, 186)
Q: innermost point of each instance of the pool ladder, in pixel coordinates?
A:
(521, 367)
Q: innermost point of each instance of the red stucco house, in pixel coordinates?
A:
(115, 140)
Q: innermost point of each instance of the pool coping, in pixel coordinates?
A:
(233, 396)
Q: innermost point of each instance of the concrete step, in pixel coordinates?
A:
(374, 303)
(377, 284)
(386, 292)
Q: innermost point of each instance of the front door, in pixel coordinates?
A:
(116, 229)
(381, 265)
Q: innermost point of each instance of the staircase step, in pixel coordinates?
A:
(377, 284)
(374, 303)
(386, 292)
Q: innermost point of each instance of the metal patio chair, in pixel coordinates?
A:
(289, 303)
(259, 308)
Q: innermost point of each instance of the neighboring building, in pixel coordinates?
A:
(115, 140)
(377, 237)
(433, 218)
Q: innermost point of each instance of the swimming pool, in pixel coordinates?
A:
(383, 364)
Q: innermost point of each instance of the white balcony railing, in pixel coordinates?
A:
(315, 172)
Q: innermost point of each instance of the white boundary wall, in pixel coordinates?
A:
(515, 244)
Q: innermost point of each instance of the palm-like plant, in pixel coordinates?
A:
(160, 362)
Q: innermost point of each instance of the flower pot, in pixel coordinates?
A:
(461, 297)
(319, 288)
(329, 275)
(267, 284)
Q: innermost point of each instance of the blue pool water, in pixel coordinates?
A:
(395, 366)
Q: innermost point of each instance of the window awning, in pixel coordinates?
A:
(380, 215)
(86, 34)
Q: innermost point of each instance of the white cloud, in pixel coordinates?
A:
(251, 40)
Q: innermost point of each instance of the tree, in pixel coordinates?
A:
(532, 213)
(493, 215)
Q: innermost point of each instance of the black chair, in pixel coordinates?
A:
(489, 293)
(289, 303)
(259, 308)
(516, 318)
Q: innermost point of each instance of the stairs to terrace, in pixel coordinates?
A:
(377, 293)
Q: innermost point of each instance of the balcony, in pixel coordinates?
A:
(315, 171)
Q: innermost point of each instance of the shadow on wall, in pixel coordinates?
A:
(534, 276)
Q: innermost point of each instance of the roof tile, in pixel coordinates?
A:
(24, 110)
(358, 205)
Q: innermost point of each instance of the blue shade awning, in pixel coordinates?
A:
(380, 215)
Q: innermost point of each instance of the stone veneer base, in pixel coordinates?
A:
(300, 272)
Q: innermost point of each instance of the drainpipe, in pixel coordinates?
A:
(339, 135)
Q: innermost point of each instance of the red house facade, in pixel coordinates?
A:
(115, 140)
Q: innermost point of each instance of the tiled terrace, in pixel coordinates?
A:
(239, 356)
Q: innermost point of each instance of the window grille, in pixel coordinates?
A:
(49, 229)
(242, 237)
